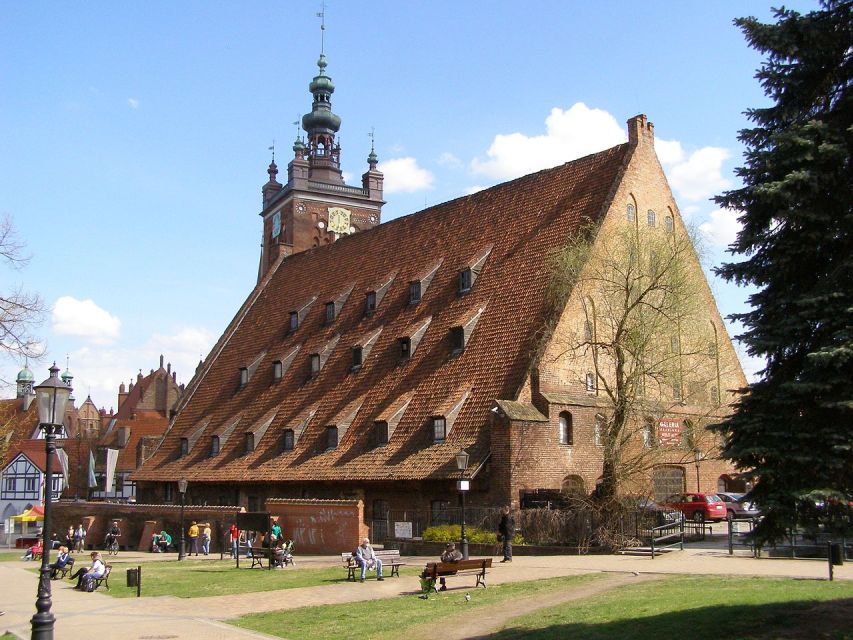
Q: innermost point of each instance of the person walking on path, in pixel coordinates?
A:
(234, 534)
(193, 536)
(366, 558)
(205, 538)
(506, 530)
(80, 539)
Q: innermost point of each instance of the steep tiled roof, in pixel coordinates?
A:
(16, 426)
(518, 224)
(143, 424)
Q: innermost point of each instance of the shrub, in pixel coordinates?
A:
(453, 533)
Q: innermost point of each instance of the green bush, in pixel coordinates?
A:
(453, 533)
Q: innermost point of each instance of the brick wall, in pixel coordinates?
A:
(320, 526)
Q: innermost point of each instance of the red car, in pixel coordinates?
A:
(698, 506)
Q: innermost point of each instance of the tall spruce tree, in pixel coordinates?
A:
(794, 427)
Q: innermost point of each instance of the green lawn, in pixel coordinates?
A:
(393, 617)
(699, 608)
(8, 556)
(197, 578)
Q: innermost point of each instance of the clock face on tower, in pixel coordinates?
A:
(339, 220)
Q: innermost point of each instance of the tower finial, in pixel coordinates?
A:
(372, 159)
(272, 148)
(322, 16)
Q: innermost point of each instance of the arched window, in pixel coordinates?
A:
(598, 430)
(566, 431)
(667, 223)
(631, 213)
(574, 486)
(667, 481)
(650, 217)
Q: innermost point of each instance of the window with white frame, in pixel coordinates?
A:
(566, 435)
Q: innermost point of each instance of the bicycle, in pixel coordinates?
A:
(112, 547)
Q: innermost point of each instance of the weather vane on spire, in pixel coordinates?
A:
(372, 136)
(296, 124)
(322, 16)
(272, 148)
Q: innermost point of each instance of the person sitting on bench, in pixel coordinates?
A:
(366, 558)
(451, 554)
(88, 574)
(63, 558)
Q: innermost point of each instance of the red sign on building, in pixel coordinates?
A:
(669, 433)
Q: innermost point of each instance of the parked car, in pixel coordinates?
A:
(737, 508)
(698, 506)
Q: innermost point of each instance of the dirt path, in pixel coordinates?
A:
(488, 620)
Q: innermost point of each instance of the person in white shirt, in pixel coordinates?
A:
(87, 574)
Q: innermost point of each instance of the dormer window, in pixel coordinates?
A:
(293, 325)
(330, 312)
(214, 445)
(370, 304)
(244, 376)
(457, 339)
(185, 447)
(380, 433)
(415, 292)
(314, 365)
(405, 348)
(250, 442)
(465, 280)
(357, 357)
(439, 428)
(287, 440)
(277, 370)
(331, 438)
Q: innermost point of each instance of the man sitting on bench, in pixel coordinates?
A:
(366, 558)
(451, 554)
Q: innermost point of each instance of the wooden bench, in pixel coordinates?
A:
(389, 558)
(477, 567)
(104, 579)
(258, 555)
(62, 572)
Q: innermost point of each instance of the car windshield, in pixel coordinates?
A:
(712, 498)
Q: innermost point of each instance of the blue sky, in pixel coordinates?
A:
(134, 136)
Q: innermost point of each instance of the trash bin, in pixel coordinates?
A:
(132, 577)
(836, 554)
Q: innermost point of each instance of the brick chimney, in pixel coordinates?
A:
(640, 131)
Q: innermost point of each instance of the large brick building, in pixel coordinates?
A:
(360, 367)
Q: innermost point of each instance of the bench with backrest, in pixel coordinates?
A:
(259, 554)
(62, 572)
(104, 579)
(477, 567)
(390, 558)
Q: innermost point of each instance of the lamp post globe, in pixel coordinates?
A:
(182, 489)
(51, 397)
(462, 459)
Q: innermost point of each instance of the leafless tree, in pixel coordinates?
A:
(21, 311)
(638, 302)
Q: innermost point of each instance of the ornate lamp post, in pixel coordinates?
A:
(697, 458)
(462, 485)
(51, 397)
(182, 489)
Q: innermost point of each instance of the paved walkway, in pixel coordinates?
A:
(165, 618)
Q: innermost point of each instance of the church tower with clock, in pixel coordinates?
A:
(316, 206)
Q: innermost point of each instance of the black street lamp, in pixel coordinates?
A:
(697, 458)
(182, 489)
(51, 397)
(462, 464)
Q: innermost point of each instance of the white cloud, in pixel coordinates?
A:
(99, 371)
(474, 189)
(84, 319)
(403, 175)
(568, 135)
(696, 176)
(447, 159)
(722, 228)
(133, 102)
